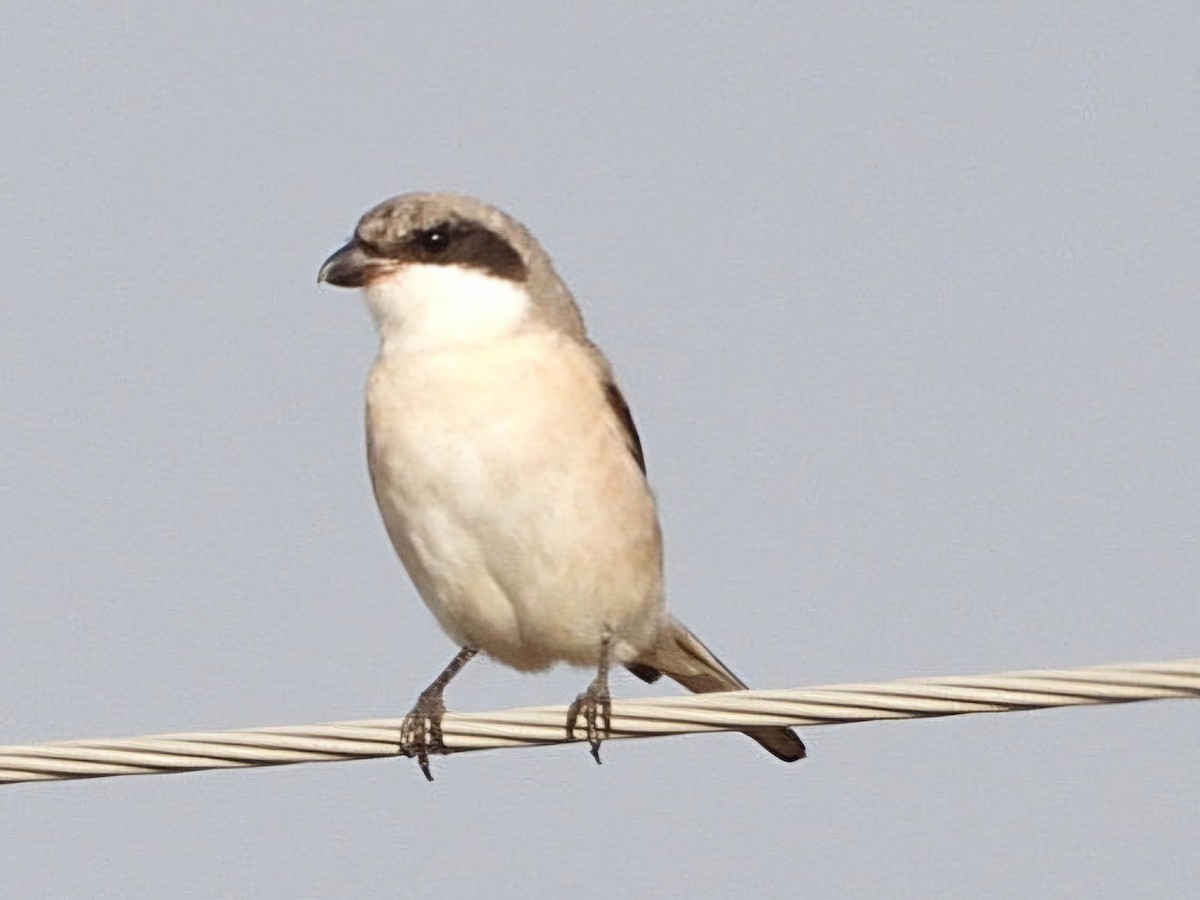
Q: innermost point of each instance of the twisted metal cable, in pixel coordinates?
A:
(537, 726)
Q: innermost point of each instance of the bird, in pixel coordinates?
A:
(507, 467)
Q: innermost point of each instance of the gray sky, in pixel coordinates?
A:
(904, 300)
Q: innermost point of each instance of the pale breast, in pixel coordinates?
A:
(513, 499)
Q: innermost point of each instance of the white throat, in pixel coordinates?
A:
(432, 307)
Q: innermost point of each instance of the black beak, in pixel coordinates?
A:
(352, 266)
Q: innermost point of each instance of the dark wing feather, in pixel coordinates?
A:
(621, 410)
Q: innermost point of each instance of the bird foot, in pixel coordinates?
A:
(421, 733)
(595, 705)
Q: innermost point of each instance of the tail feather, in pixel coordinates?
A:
(682, 657)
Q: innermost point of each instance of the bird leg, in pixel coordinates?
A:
(595, 703)
(421, 733)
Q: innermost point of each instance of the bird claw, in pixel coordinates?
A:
(595, 705)
(421, 732)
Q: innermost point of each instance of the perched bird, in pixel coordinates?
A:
(506, 464)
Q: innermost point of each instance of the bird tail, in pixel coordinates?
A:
(682, 657)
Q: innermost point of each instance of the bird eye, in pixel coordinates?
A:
(434, 240)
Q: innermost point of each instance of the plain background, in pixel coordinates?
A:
(904, 299)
